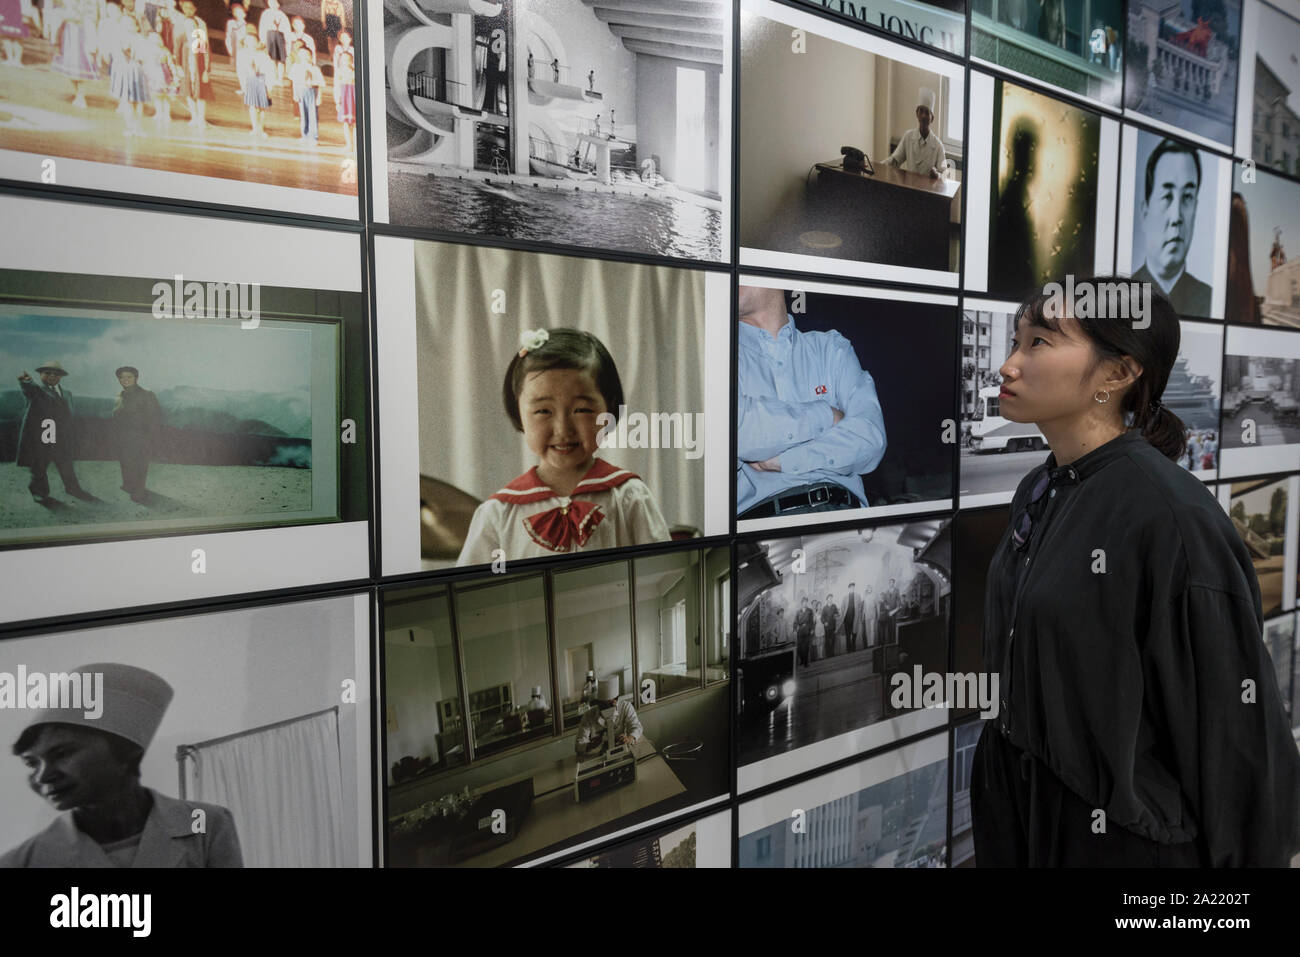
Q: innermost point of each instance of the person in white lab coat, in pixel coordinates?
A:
(919, 150)
(612, 721)
(87, 766)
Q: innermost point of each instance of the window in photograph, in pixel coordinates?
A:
(719, 614)
(667, 624)
(692, 134)
(593, 635)
(1074, 45)
(503, 639)
(425, 721)
(1274, 137)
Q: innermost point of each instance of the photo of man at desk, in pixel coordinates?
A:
(920, 150)
(629, 654)
(863, 165)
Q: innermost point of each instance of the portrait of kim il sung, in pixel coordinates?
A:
(1166, 247)
(809, 421)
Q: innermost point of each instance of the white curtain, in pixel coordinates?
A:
(284, 787)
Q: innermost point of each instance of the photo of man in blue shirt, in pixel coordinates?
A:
(810, 424)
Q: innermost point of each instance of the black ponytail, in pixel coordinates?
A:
(1156, 348)
(1165, 430)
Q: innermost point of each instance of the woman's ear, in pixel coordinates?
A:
(1124, 372)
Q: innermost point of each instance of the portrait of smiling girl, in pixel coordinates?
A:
(556, 388)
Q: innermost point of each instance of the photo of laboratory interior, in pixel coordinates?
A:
(529, 709)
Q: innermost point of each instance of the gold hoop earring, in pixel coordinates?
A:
(1100, 400)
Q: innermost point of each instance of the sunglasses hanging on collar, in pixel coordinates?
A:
(1023, 527)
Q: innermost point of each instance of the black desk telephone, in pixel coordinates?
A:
(856, 161)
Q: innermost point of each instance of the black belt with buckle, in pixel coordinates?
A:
(823, 494)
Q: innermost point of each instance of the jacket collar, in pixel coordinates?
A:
(63, 844)
(1089, 464)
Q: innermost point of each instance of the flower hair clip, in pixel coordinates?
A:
(532, 339)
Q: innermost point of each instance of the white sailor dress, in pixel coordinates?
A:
(610, 508)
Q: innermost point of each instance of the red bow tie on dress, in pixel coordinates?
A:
(565, 527)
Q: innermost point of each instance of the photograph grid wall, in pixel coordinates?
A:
(623, 668)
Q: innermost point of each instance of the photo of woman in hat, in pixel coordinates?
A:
(87, 766)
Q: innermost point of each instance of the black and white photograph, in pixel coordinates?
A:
(888, 811)
(826, 622)
(547, 405)
(561, 707)
(1182, 65)
(602, 125)
(852, 151)
(120, 739)
(976, 534)
(1261, 402)
(964, 738)
(1173, 234)
(1043, 191)
(1268, 98)
(1279, 639)
(836, 419)
(232, 103)
(187, 421)
(1264, 514)
(1193, 394)
(996, 453)
(937, 23)
(1264, 219)
(702, 843)
(1076, 46)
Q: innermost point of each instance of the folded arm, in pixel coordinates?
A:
(767, 427)
(857, 443)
